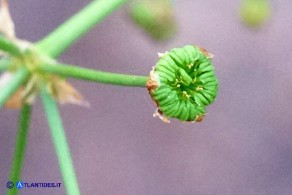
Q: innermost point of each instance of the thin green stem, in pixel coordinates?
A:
(20, 147)
(96, 76)
(8, 90)
(60, 39)
(8, 46)
(60, 143)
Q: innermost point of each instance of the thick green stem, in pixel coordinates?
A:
(20, 147)
(96, 76)
(8, 90)
(60, 143)
(60, 39)
(8, 46)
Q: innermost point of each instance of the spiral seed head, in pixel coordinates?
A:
(183, 83)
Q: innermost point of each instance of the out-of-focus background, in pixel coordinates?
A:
(243, 146)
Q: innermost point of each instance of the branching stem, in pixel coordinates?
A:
(96, 76)
(20, 147)
(60, 143)
(60, 39)
(8, 46)
(8, 90)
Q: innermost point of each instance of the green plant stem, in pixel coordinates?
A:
(60, 39)
(8, 90)
(93, 75)
(8, 46)
(60, 143)
(20, 147)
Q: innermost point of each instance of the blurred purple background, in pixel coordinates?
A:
(244, 145)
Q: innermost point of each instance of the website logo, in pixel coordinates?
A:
(9, 184)
(19, 185)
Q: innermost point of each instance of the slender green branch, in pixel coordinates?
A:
(60, 39)
(20, 147)
(93, 75)
(8, 46)
(18, 78)
(60, 143)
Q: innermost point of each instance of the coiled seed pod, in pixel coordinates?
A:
(183, 83)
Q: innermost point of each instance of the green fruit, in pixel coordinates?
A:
(254, 13)
(155, 17)
(188, 83)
